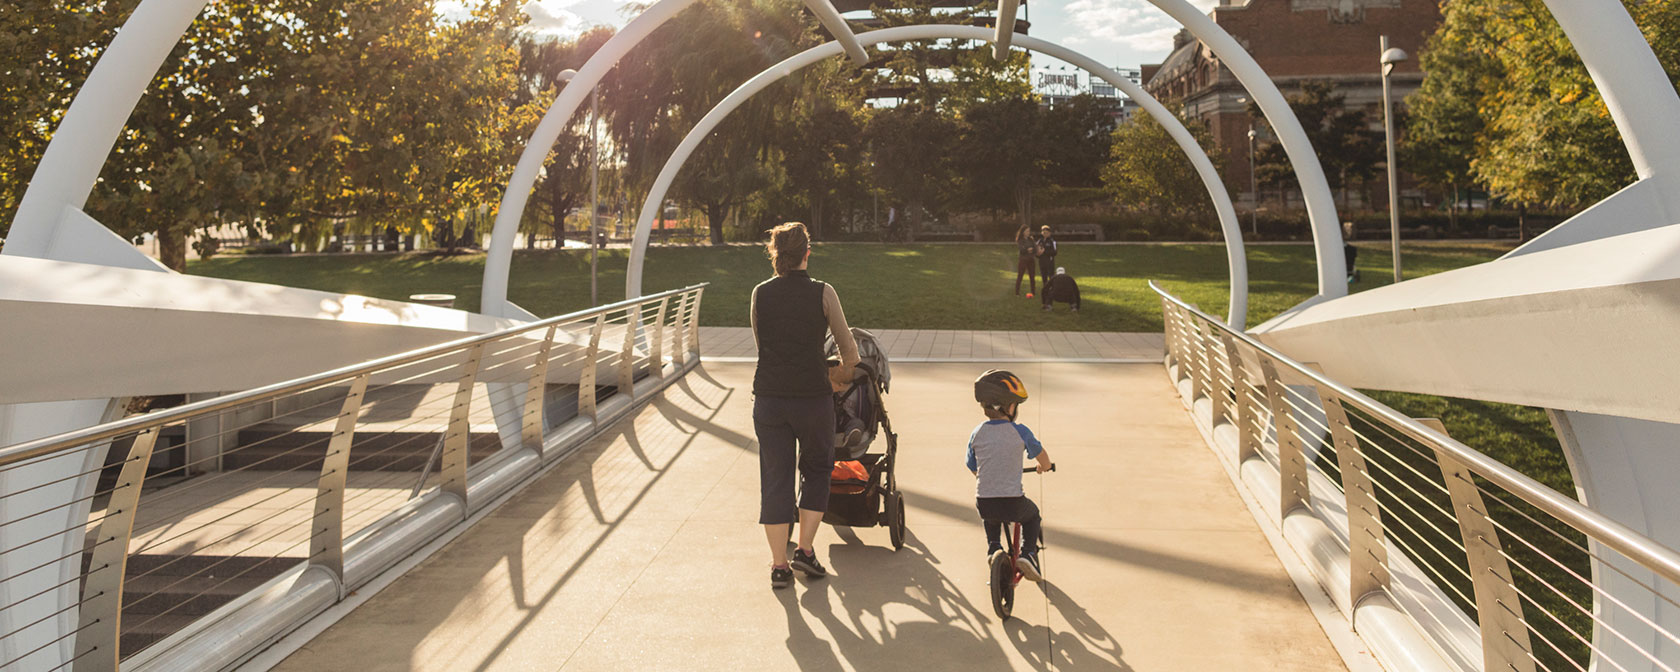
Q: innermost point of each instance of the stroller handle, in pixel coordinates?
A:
(1028, 470)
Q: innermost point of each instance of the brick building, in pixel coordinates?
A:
(1294, 41)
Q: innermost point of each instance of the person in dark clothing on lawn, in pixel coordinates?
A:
(1046, 253)
(1026, 248)
(1061, 287)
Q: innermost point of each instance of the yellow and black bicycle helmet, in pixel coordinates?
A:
(999, 388)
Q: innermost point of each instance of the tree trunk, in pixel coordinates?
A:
(1522, 222)
(715, 213)
(1452, 210)
(172, 249)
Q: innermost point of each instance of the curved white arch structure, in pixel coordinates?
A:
(1478, 333)
(1321, 210)
(1237, 309)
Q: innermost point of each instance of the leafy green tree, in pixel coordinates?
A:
(1148, 170)
(1346, 146)
(822, 154)
(1003, 154)
(564, 182)
(1442, 122)
(1505, 89)
(668, 83)
(910, 160)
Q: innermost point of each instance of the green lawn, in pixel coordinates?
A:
(929, 286)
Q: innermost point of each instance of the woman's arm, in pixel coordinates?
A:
(842, 332)
(752, 316)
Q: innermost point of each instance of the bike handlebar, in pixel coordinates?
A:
(1029, 470)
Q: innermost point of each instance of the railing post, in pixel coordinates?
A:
(458, 438)
(1505, 640)
(679, 351)
(1170, 342)
(694, 323)
(1212, 346)
(1181, 347)
(326, 536)
(656, 353)
(627, 356)
(532, 428)
(1248, 416)
(1294, 491)
(586, 378)
(1367, 545)
(100, 616)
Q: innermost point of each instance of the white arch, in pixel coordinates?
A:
(1237, 307)
(1321, 209)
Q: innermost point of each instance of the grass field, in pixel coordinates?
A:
(931, 286)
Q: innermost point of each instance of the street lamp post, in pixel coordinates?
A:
(1253, 187)
(1389, 58)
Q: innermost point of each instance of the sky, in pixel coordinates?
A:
(1122, 33)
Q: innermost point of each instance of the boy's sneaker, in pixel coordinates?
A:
(853, 439)
(1028, 566)
(806, 561)
(780, 577)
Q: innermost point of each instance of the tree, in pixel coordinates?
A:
(1342, 138)
(1148, 169)
(1442, 121)
(669, 82)
(1505, 89)
(1003, 153)
(565, 177)
(909, 159)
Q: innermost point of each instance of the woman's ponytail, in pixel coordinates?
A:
(787, 247)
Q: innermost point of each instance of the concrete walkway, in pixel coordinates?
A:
(947, 344)
(641, 552)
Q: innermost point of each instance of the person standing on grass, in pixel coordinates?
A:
(1026, 248)
(1046, 253)
(793, 407)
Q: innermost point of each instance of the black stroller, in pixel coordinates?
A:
(869, 498)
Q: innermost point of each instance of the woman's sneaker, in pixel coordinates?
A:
(806, 561)
(1028, 566)
(780, 577)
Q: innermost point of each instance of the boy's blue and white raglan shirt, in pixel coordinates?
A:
(995, 453)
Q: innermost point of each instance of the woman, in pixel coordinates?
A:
(793, 410)
(1026, 248)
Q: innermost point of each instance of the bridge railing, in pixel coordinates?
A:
(1442, 557)
(193, 537)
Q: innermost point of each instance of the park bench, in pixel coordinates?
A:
(929, 233)
(1077, 231)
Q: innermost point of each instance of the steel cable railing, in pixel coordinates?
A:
(1537, 580)
(181, 512)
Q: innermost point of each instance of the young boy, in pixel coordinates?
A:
(995, 452)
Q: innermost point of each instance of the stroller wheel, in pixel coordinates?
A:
(895, 519)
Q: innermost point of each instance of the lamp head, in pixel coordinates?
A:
(567, 75)
(1391, 57)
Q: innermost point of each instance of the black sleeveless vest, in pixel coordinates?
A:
(791, 328)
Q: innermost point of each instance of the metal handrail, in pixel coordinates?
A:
(1665, 562)
(76, 438)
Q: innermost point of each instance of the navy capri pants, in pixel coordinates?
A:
(793, 432)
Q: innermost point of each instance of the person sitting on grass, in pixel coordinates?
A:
(995, 452)
(1061, 287)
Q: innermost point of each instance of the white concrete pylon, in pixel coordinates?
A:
(1005, 28)
(1235, 258)
(836, 25)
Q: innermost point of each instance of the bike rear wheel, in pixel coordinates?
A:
(1003, 584)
